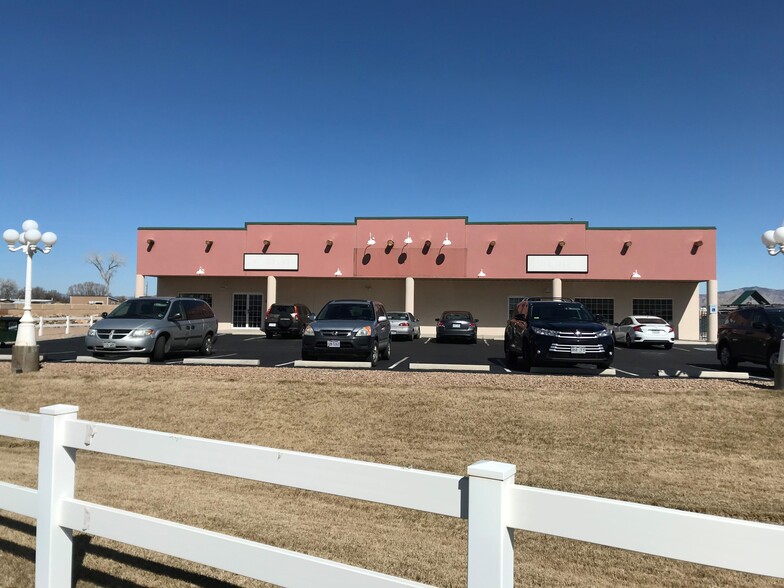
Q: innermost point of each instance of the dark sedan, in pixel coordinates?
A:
(456, 324)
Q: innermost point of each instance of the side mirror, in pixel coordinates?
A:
(104, 314)
(177, 316)
(437, 319)
(476, 320)
(311, 317)
(382, 318)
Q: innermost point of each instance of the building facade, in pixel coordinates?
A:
(427, 265)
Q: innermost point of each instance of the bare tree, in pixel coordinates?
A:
(87, 289)
(8, 289)
(107, 268)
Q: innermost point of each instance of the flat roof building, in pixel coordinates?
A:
(426, 265)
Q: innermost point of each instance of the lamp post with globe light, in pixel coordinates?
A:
(25, 352)
(774, 242)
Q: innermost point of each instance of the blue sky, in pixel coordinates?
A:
(116, 115)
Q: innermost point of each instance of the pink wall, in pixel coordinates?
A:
(656, 254)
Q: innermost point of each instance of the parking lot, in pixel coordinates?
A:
(684, 359)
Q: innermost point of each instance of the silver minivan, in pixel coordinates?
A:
(154, 326)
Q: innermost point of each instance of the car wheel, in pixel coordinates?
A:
(773, 359)
(668, 345)
(726, 359)
(527, 361)
(373, 355)
(206, 345)
(629, 342)
(412, 336)
(387, 351)
(159, 350)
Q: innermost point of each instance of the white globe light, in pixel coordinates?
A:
(778, 235)
(768, 240)
(32, 236)
(49, 239)
(29, 225)
(10, 236)
(22, 239)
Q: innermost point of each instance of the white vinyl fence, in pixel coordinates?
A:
(64, 322)
(488, 497)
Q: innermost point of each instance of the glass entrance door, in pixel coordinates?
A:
(247, 311)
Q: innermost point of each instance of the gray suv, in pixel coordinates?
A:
(154, 326)
(349, 328)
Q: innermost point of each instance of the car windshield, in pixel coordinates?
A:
(346, 311)
(282, 308)
(398, 316)
(651, 321)
(148, 308)
(561, 312)
(456, 316)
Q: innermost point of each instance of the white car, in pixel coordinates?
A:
(404, 324)
(638, 330)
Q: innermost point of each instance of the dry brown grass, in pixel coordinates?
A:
(707, 446)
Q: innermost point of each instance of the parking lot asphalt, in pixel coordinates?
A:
(684, 359)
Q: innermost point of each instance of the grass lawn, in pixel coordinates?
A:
(700, 445)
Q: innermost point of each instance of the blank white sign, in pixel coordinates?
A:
(272, 261)
(557, 264)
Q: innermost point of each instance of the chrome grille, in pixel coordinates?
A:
(113, 333)
(577, 335)
(567, 348)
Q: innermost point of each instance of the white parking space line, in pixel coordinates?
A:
(427, 340)
(397, 364)
(628, 373)
(253, 339)
(486, 342)
(219, 356)
(287, 363)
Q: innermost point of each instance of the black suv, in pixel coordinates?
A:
(286, 319)
(556, 331)
(751, 334)
(358, 328)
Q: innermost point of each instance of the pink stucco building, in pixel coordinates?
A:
(426, 265)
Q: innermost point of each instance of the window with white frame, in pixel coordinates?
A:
(600, 306)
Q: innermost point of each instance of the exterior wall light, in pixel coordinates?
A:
(338, 272)
(446, 242)
(481, 273)
(266, 246)
(200, 271)
(635, 275)
(371, 241)
(408, 240)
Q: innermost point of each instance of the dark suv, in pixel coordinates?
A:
(751, 334)
(556, 331)
(286, 319)
(353, 328)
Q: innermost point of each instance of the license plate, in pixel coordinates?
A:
(455, 325)
(109, 345)
(578, 349)
(272, 324)
(331, 343)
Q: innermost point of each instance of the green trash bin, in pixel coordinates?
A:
(9, 326)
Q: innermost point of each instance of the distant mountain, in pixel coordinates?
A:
(729, 296)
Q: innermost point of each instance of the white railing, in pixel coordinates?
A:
(64, 322)
(496, 506)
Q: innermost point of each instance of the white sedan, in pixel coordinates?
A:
(637, 330)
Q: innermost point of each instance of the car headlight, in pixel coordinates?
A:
(92, 333)
(142, 332)
(545, 332)
(603, 333)
(365, 331)
(309, 331)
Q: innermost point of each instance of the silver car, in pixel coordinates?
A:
(639, 330)
(154, 326)
(404, 324)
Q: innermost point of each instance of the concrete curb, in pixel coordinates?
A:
(706, 374)
(219, 361)
(9, 357)
(572, 371)
(456, 367)
(91, 359)
(332, 364)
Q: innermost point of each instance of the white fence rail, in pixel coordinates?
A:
(64, 322)
(496, 507)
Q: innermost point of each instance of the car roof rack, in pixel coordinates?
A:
(545, 298)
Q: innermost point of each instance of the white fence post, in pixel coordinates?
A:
(40, 326)
(56, 473)
(67, 325)
(490, 541)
